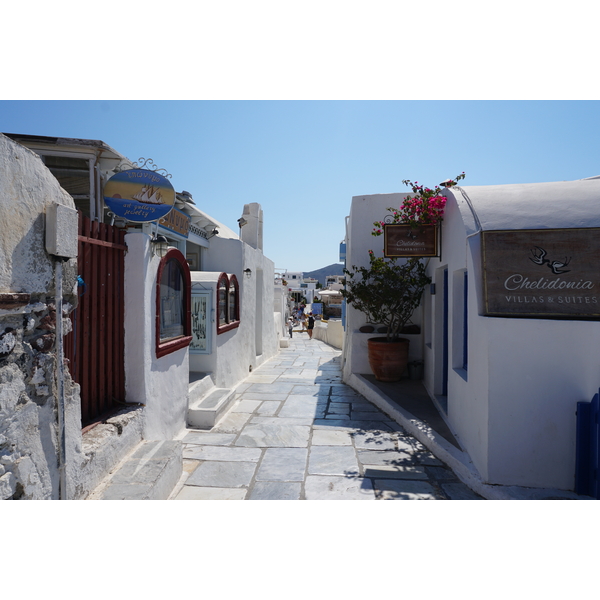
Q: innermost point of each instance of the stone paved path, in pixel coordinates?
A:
(297, 432)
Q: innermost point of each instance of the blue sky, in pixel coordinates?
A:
(304, 160)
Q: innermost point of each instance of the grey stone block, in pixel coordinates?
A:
(388, 489)
(338, 488)
(222, 474)
(275, 490)
(283, 464)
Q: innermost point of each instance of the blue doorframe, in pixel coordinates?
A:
(445, 338)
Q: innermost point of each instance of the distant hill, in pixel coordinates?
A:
(321, 274)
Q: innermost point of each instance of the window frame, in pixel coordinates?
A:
(230, 323)
(174, 344)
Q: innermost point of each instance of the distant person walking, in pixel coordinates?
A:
(311, 324)
(302, 319)
(290, 326)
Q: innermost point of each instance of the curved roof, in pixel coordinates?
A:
(554, 205)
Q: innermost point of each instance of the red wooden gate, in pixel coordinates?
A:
(95, 347)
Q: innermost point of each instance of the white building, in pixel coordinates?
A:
(510, 327)
(139, 324)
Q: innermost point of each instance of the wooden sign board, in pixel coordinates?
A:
(405, 241)
(542, 273)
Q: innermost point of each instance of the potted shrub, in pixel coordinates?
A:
(387, 291)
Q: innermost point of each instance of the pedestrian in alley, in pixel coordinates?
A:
(310, 325)
(302, 319)
(290, 326)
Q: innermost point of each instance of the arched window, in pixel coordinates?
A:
(173, 303)
(228, 299)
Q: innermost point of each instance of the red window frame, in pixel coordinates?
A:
(231, 322)
(164, 348)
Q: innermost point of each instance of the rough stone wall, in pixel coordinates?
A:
(28, 417)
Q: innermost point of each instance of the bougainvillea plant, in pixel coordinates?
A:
(426, 207)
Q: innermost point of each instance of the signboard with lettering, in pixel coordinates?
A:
(406, 241)
(139, 195)
(177, 221)
(542, 273)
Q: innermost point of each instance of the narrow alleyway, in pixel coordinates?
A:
(297, 432)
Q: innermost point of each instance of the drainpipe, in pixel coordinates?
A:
(60, 379)
(61, 244)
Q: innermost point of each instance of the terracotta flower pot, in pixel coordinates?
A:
(388, 359)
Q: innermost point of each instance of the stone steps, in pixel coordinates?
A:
(207, 405)
(149, 472)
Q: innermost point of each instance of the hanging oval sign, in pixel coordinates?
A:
(139, 195)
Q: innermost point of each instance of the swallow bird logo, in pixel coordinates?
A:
(556, 266)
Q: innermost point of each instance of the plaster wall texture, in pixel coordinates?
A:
(364, 210)
(28, 422)
(26, 188)
(514, 410)
(331, 333)
(161, 384)
(256, 339)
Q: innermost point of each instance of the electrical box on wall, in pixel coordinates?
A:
(61, 231)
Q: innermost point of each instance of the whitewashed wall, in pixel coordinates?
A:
(364, 211)
(514, 409)
(237, 352)
(161, 384)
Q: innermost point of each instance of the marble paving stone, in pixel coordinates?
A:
(268, 408)
(264, 435)
(189, 465)
(375, 440)
(343, 390)
(240, 389)
(322, 437)
(409, 444)
(394, 472)
(283, 464)
(246, 406)
(208, 438)
(390, 489)
(260, 419)
(276, 490)
(332, 460)
(310, 390)
(302, 406)
(384, 457)
(260, 378)
(338, 488)
(341, 399)
(296, 378)
(337, 417)
(350, 425)
(192, 492)
(273, 388)
(459, 491)
(222, 453)
(222, 474)
(264, 397)
(232, 422)
(426, 458)
(339, 408)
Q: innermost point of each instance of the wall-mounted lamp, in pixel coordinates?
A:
(160, 245)
(248, 273)
(242, 222)
(211, 233)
